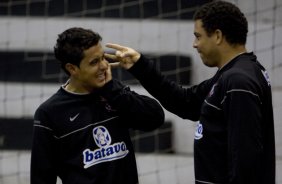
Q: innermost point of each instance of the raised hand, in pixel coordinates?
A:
(124, 56)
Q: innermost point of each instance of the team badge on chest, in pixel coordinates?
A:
(106, 152)
(198, 131)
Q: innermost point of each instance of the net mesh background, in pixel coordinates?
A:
(160, 29)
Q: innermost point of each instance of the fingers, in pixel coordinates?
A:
(114, 65)
(125, 55)
(116, 46)
(120, 54)
(120, 51)
(111, 57)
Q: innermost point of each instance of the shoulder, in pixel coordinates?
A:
(242, 80)
(49, 101)
(48, 104)
(236, 78)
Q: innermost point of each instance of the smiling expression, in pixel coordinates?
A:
(206, 45)
(92, 71)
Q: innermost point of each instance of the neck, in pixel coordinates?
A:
(74, 87)
(229, 54)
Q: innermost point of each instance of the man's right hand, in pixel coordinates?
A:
(124, 56)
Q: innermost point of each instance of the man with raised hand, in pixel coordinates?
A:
(234, 139)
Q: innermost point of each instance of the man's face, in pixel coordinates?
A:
(92, 71)
(205, 45)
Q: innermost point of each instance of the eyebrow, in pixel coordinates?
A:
(99, 56)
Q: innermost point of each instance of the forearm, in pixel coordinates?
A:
(42, 169)
(44, 151)
(184, 102)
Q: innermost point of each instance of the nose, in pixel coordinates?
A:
(104, 64)
(195, 45)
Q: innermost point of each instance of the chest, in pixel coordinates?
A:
(72, 116)
(213, 119)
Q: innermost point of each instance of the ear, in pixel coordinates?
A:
(71, 68)
(218, 36)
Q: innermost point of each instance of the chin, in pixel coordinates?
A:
(101, 83)
(208, 64)
(205, 62)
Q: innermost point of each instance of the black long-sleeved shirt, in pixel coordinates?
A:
(234, 139)
(84, 138)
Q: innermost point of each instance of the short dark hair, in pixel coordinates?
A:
(226, 17)
(71, 44)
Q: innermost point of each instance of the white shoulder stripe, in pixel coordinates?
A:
(241, 90)
(41, 126)
(65, 135)
(217, 108)
(85, 127)
(205, 182)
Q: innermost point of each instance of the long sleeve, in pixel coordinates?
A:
(243, 114)
(184, 102)
(43, 155)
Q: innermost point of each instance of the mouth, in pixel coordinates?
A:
(101, 76)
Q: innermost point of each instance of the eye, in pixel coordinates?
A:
(197, 36)
(94, 61)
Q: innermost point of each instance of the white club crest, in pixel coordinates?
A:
(101, 136)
